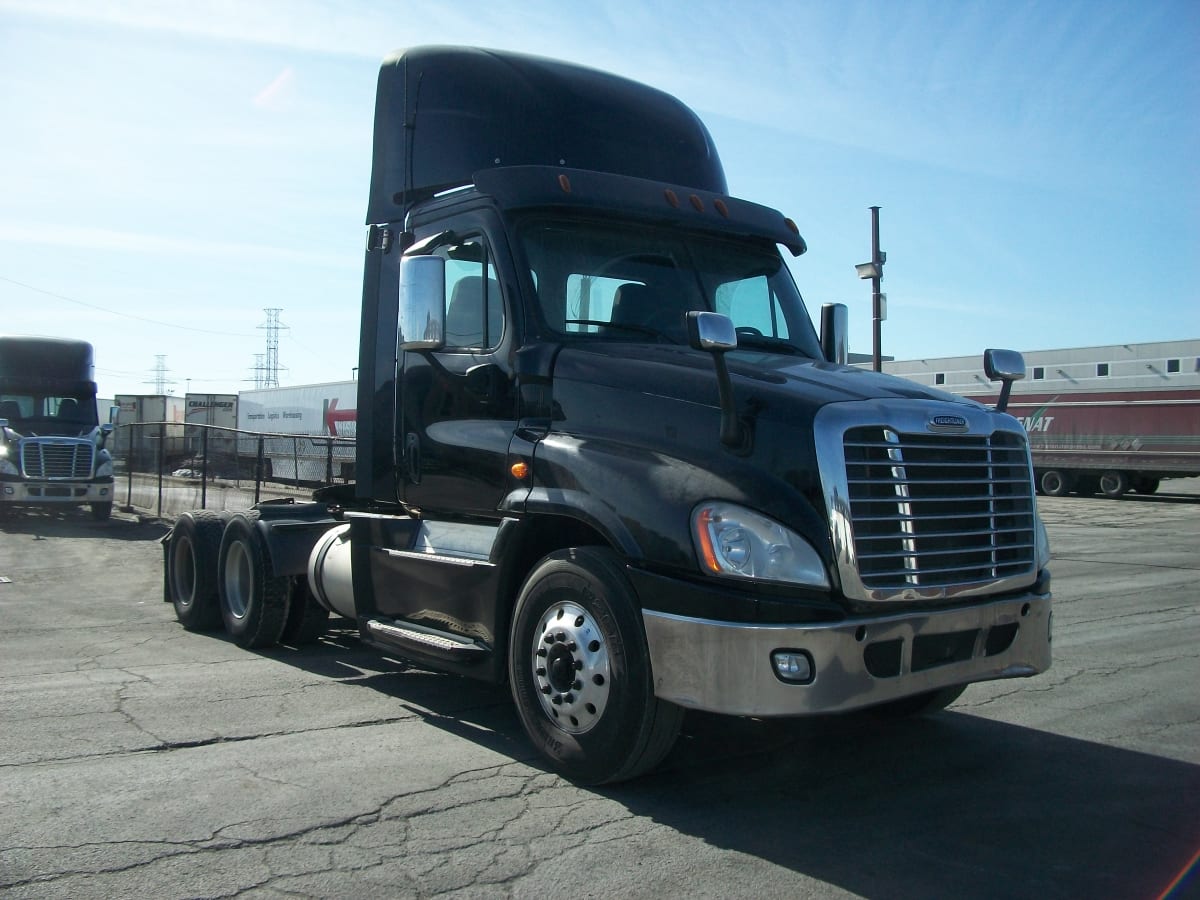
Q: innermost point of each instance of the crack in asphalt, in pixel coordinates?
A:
(498, 814)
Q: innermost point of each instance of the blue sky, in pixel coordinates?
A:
(169, 170)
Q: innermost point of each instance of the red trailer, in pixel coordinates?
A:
(1111, 441)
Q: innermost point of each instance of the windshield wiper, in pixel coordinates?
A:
(763, 342)
(621, 326)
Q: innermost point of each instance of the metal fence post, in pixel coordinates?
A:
(204, 467)
(162, 451)
(258, 470)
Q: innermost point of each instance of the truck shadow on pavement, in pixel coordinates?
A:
(950, 805)
(73, 523)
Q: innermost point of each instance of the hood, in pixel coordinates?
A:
(775, 381)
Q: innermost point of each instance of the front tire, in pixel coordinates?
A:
(102, 512)
(254, 601)
(580, 671)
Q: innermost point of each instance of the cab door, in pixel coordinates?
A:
(457, 407)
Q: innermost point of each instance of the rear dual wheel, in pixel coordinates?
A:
(1056, 482)
(1114, 484)
(254, 601)
(192, 553)
(580, 671)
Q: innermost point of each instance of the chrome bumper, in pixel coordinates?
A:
(726, 667)
(28, 493)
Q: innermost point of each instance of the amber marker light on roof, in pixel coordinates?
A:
(721, 207)
(565, 183)
(697, 203)
(672, 197)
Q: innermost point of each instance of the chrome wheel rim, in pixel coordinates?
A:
(571, 667)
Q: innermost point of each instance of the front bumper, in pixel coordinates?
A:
(36, 493)
(726, 667)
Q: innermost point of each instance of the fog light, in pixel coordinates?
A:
(794, 666)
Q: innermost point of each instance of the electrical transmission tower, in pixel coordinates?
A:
(160, 374)
(270, 366)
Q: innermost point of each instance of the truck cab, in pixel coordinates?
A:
(604, 455)
(52, 446)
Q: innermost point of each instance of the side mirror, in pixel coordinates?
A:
(422, 303)
(715, 333)
(835, 332)
(1005, 366)
(711, 331)
(113, 413)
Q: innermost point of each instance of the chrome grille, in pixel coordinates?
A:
(935, 511)
(57, 459)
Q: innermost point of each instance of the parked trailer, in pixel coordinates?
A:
(52, 446)
(325, 413)
(1109, 418)
(603, 455)
(1112, 441)
(150, 431)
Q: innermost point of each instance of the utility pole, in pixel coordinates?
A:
(874, 271)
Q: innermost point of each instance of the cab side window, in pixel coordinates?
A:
(474, 308)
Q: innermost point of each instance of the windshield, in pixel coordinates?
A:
(636, 283)
(48, 412)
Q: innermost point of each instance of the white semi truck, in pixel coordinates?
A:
(52, 447)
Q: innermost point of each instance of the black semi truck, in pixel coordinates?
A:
(52, 448)
(604, 456)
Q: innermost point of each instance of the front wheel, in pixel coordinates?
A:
(580, 670)
(102, 512)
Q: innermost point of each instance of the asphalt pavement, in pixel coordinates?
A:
(141, 760)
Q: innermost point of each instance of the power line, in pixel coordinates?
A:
(57, 296)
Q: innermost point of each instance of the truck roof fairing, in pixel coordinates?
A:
(528, 187)
(444, 113)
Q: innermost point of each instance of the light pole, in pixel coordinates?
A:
(874, 271)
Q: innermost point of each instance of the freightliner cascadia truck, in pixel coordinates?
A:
(52, 447)
(604, 456)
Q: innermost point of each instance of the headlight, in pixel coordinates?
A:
(732, 540)
(1043, 542)
(105, 469)
(7, 467)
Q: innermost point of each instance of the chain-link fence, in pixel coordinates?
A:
(166, 468)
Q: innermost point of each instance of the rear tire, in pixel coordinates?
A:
(307, 619)
(254, 601)
(1114, 484)
(192, 553)
(1145, 484)
(1056, 483)
(580, 671)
